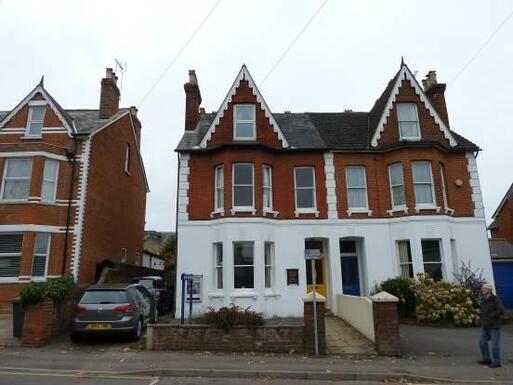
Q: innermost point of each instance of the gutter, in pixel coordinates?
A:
(176, 232)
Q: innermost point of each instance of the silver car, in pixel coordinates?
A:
(113, 309)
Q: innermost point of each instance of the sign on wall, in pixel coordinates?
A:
(196, 288)
(292, 277)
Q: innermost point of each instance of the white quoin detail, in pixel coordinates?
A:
(477, 198)
(243, 75)
(405, 74)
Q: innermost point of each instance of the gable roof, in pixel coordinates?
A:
(336, 131)
(508, 195)
(63, 116)
(243, 75)
(383, 105)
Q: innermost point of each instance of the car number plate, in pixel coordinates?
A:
(98, 326)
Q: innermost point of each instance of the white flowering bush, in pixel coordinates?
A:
(437, 301)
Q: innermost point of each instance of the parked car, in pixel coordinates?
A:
(123, 308)
(158, 287)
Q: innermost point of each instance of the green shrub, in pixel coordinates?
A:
(437, 301)
(54, 289)
(227, 317)
(402, 288)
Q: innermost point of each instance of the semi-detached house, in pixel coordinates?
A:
(387, 192)
(73, 189)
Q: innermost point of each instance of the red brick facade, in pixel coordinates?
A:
(502, 228)
(113, 201)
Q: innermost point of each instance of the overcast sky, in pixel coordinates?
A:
(343, 60)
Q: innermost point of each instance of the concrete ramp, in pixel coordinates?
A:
(341, 338)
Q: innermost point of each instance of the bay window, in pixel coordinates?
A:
(243, 198)
(405, 260)
(423, 183)
(16, 182)
(304, 180)
(10, 255)
(268, 264)
(356, 187)
(243, 265)
(218, 260)
(395, 173)
(49, 188)
(40, 257)
(432, 258)
(267, 193)
(219, 188)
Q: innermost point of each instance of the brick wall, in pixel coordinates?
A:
(504, 221)
(116, 201)
(309, 328)
(201, 180)
(37, 325)
(386, 328)
(277, 339)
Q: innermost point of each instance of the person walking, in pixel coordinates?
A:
(491, 311)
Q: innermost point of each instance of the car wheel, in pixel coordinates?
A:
(137, 332)
(74, 337)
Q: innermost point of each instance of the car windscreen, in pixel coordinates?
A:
(104, 297)
(147, 283)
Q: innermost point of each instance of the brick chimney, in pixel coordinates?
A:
(109, 96)
(435, 92)
(192, 101)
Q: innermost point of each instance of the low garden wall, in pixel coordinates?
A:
(376, 317)
(357, 312)
(278, 339)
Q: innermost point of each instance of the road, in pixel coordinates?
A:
(66, 378)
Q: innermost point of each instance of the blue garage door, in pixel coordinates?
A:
(503, 274)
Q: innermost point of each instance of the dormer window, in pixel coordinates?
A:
(408, 119)
(244, 122)
(36, 117)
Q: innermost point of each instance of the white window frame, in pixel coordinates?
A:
(252, 265)
(235, 121)
(47, 257)
(420, 206)
(268, 189)
(218, 266)
(243, 208)
(444, 191)
(13, 278)
(269, 265)
(440, 249)
(32, 105)
(128, 155)
(219, 187)
(418, 137)
(394, 206)
(6, 166)
(306, 210)
(357, 209)
(55, 182)
(401, 264)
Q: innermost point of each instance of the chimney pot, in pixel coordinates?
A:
(192, 77)
(192, 101)
(436, 93)
(202, 110)
(430, 80)
(133, 111)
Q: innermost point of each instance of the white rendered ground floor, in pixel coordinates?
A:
(260, 263)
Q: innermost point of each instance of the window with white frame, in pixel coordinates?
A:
(36, 117)
(219, 188)
(356, 187)
(444, 191)
(49, 187)
(16, 182)
(432, 256)
(243, 265)
(243, 186)
(304, 180)
(408, 121)
(127, 158)
(244, 122)
(41, 250)
(10, 255)
(395, 173)
(218, 260)
(267, 193)
(423, 183)
(268, 264)
(405, 260)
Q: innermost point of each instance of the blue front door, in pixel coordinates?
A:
(350, 275)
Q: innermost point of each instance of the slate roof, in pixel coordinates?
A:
(86, 121)
(500, 249)
(344, 131)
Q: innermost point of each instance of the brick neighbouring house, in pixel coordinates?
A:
(501, 248)
(49, 155)
(256, 189)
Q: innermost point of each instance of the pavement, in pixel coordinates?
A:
(430, 355)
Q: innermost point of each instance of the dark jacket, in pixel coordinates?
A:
(491, 312)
